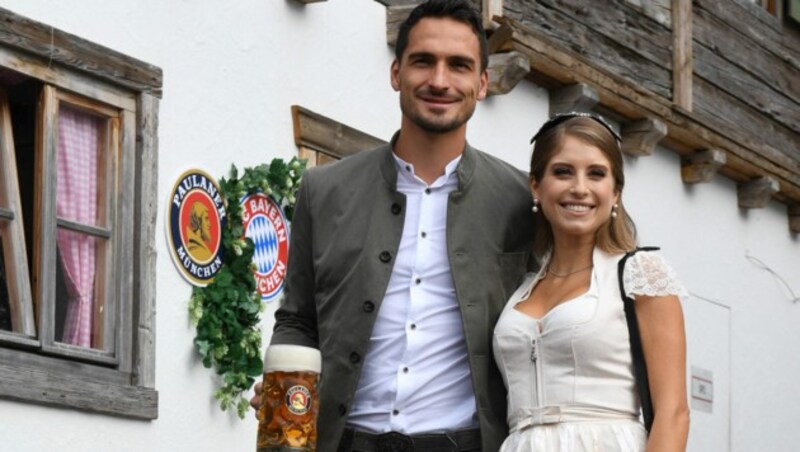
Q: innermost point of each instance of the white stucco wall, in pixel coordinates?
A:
(231, 72)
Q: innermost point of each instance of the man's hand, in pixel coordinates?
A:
(255, 401)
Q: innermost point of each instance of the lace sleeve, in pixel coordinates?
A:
(647, 273)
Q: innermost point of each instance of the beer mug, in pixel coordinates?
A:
(287, 419)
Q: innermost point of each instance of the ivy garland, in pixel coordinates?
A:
(226, 312)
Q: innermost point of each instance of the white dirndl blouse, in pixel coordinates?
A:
(569, 373)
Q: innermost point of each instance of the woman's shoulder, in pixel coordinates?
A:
(648, 273)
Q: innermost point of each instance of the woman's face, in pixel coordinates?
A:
(577, 191)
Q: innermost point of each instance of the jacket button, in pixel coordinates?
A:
(396, 208)
(385, 257)
(368, 306)
(355, 358)
(342, 409)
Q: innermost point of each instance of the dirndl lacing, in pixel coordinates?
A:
(524, 418)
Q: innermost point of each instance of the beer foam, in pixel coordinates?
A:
(292, 358)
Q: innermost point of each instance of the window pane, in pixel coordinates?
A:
(5, 308)
(80, 289)
(79, 164)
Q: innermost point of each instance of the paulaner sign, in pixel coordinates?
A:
(195, 218)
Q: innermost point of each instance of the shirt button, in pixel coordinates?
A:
(405, 370)
(385, 257)
(417, 281)
(355, 358)
(413, 326)
(368, 306)
(424, 234)
(396, 208)
(395, 412)
(342, 409)
(427, 191)
(408, 168)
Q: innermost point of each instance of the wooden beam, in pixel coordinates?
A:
(322, 134)
(682, 53)
(500, 39)
(702, 166)
(640, 137)
(395, 15)
(55, 46)
(506, 70)
(578, 97)
(794, 217)
(756, 193)
(491, 8)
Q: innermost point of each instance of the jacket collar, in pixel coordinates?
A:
(466, 168)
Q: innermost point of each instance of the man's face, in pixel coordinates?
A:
(439, 77)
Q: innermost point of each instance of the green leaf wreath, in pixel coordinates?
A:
(226, 311)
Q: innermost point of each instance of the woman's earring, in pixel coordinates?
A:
(614, 211)
(535, 207)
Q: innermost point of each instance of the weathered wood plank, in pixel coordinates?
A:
(640, 137)
(682, 53)
(500, 39)
(15, 256)
(725, 34)
(77, 53)
(757, 193)
(84, 228)
(44, 267)
(506, 70)
(702, 166)
(124, 229)
(144, 265)
(323, 134)
(80, 83)
(489, 9)
(395, 15)
(52, 382)
(746, 125)
(746, 88)
(686, 131)
(578, 97)
(658, 10)
(641, 54)
(794, 217)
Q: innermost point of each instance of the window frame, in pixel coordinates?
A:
(121, 381)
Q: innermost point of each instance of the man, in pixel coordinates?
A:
(403, 257)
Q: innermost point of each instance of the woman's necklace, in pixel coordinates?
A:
(564, 275)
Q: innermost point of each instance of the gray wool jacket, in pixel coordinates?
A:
(346, 230)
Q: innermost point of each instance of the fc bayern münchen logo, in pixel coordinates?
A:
(265, 224)
(195, 218)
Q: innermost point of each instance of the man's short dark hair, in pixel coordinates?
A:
(459, 10)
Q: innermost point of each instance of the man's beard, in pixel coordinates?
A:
(433, 126)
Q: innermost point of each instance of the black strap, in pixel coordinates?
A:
(639, 365)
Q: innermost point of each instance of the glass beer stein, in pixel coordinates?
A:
(287, 419)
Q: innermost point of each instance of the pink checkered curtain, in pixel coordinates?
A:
(76, 200)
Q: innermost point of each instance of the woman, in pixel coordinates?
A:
(562, 341)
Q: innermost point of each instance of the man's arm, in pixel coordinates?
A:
(296, 319)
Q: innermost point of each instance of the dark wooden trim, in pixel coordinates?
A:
(702, 166)
(756, 193)
(56, 46)
(322, 134)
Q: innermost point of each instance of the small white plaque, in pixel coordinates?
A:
(702, 389)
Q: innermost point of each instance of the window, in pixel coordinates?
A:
(322, 140)
(77, 207)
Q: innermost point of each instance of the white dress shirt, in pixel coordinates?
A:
(416, 377)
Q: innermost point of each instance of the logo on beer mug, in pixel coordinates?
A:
(298, 399)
